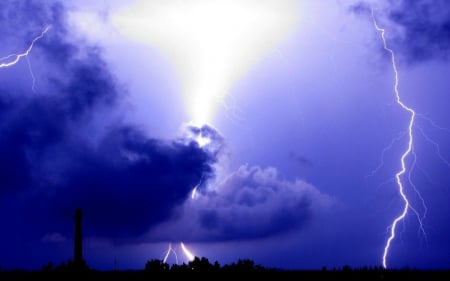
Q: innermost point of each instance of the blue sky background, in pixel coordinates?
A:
(299, 171)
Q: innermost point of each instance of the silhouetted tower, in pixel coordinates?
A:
(78, 242)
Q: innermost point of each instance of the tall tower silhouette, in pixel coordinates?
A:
(78, 241)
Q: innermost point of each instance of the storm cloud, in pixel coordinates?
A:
(250, 203)
(425, 28)
(58, 154)
(418, 30)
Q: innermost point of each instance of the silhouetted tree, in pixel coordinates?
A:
(156, 265)
(243, 265)
(201, 265)
(48, 267)
(183, 268)
(70, 267)
(216, 266)
(346, 268)
(246, 265)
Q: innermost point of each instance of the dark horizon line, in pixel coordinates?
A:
(70, 265)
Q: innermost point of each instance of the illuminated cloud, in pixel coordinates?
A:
(251, 203)
(211, 42)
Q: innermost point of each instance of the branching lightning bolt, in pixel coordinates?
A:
(408, 151)
(33, 78)
(170, 250)
(436, 146)
(13, 59)
(383, 154)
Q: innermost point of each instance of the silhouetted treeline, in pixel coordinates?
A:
(202, 265)
(154, 268)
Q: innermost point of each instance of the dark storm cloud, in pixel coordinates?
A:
(426, 28)
(124, 181)
(251, 203)
(23, 20)
(27, 129)
(128, 183)
(421, 28)
(32, 124)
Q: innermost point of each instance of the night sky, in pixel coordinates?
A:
(267, 130)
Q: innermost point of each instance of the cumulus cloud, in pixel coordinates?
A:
(251, 203)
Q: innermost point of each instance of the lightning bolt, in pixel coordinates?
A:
(33, 78)
(169, 251)
(407, 152)
(188, 253)
(13, 59)
(385, 150)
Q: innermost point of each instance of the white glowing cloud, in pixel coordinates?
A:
(211, 42)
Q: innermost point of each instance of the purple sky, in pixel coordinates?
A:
(295, 167)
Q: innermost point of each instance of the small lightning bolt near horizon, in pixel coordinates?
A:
(168, 252)
(190, 256)
(408, 151)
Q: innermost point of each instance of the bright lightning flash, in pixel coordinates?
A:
(406, 153)
(212, 42)
(171, 250)
(188, 253)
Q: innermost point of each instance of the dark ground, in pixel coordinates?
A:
(155, 269)
(275, 274)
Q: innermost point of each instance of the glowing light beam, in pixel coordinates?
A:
(211, 42)
(407, 151)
